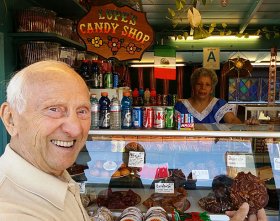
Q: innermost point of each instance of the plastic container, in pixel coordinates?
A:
(126, 111)
(104, 114)
(153, 98)
(135, 95)
(141, 97)
(115, 113)
(94, 74)
(94, 111)
(147, 95)
(84, 71)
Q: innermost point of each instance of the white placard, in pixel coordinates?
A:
(164, 187)
(65, 54)
(136, 159)
(200, 174)
(211, 58)
(236, 161)
(82, 187)
(277, 163)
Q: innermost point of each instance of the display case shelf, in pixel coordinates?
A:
(38, 36)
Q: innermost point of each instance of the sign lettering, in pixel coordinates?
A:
(116, 32)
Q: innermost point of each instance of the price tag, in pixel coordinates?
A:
(65, 54)
(277, 163)
(200, 174)
(236, 161)
(136, 159)
(82, 187)
(164, 187)
(81, 56)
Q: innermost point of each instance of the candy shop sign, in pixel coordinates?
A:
(116, 32)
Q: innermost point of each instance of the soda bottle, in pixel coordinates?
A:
(94, 111)
(94, 74)
(104, 114)
(126, 111)
(141, 97)
(153, 98)
(147, 95)
(84, 71)
(100, 79)
(115, 79)
(115, 113)
(135, 95)
(108, 80)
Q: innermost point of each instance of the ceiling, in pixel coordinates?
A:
(241, 16)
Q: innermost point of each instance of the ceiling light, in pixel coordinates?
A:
(260, 64)
(218, 38)
(137, 65)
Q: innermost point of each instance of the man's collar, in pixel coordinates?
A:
(33, 180)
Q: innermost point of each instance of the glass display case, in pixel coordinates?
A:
(144, 168)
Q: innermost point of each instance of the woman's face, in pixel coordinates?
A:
(203, 87)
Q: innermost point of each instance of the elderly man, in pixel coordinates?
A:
(47, 115)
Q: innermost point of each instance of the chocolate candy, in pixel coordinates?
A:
(248, 188)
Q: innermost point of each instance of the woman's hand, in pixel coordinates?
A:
(242, 212)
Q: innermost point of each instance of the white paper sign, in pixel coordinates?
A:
(82, 187)
(136, 159)
(65, 54)
(277, 163)
(211, 58)
(236, 161)
(200, 174)
(164, 187)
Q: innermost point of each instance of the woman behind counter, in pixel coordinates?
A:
(204, 107)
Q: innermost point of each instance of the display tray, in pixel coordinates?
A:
(117, 200)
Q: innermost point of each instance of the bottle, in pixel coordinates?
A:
(153, 98)
(141, 97)
(108, 80)
(126, 111)
(100, 79)
(94, 111)
(115, 79)
(147, 95)
(135, 95)
(94, 74)
(115, 113)
(104, 114)
(84, 71)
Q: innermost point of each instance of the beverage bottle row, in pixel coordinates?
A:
(111, 114)
(151, 98)
(95, 77)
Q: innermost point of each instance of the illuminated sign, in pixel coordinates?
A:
(116, 32)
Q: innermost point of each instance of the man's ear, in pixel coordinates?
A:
(7, 116)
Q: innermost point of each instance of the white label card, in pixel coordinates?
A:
(136, 159)
(82, 187)
(164, 187)
(277, 163)
(236, 161)
(65, 54)
(200, 174)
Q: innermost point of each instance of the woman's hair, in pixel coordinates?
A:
(204, 72)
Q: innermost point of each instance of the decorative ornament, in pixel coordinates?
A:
(224, 3)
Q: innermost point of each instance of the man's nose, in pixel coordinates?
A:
(72, 125)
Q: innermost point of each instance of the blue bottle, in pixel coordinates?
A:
(126, 115)
(104, 114)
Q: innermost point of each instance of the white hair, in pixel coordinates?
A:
(17, 87)
(16, 92)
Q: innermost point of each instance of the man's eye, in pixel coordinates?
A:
(55, 109)
(84, 113)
